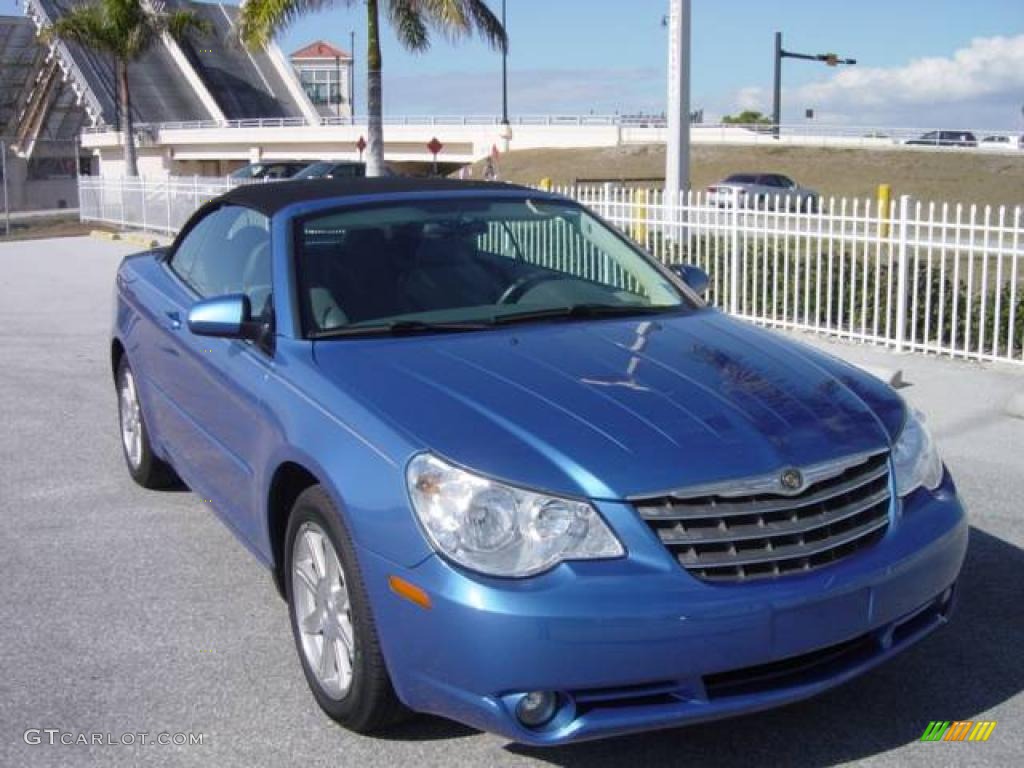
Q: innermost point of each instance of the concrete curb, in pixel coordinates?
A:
(135, 238)
(147, 241)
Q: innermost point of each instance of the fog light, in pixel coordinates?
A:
(537, 708)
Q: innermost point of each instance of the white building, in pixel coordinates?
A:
(325, 72)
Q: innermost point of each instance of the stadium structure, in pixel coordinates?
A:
(50, 93)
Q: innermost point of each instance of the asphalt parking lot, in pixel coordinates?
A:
(128, 611)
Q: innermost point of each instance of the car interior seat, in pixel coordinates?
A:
(446, 272)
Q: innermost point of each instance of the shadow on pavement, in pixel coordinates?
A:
(427, 728)
(958, 673)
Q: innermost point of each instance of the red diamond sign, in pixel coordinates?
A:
(434, 146)
(361, 144)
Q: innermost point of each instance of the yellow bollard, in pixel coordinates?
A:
(640, 216)
(545, 184)
(884, 196)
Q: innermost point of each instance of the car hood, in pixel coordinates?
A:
(617, 408)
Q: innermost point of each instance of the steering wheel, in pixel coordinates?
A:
(523, 285)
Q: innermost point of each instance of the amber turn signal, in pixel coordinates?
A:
(410, 592)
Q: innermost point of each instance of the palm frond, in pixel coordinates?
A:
(407, 19)
(85, 25)
(260, 20)
(487, 25)
(459, 18)
(180, 23)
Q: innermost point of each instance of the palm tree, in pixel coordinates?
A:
(412, 21)
(124, 30)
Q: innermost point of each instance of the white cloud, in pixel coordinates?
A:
(751, 97)
(979, 85)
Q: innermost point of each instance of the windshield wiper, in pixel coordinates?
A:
(400, 328)
(581, 310)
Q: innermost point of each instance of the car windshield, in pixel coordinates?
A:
(456, 265)
(247, 171)
(313, 171)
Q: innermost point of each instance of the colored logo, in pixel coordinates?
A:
(958, 730)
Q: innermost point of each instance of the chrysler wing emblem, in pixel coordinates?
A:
(791, 479)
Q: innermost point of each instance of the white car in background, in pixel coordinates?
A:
(1002, 143)
(763, 191)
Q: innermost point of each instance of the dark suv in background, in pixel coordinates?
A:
(274, 169)
(946, 139)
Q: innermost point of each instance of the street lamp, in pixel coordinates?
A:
(337, 84)
(352, 75)
(504, 70)
(830, 59)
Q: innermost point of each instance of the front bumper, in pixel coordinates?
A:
(637, 643)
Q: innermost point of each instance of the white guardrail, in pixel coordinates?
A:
(931, 277)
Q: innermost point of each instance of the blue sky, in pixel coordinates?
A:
(920, 62)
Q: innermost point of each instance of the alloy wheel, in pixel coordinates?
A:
(323, 613)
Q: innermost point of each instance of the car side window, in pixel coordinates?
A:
(228, 252)
(184, 257)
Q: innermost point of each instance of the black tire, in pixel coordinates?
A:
(370, 703)
(148, 470)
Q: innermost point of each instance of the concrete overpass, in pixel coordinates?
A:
(215, 147)
(212, 147)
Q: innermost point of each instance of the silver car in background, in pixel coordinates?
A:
(763, 191)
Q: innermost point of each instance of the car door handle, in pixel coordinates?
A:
(173, 319)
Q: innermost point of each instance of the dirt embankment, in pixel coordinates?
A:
(968, 177)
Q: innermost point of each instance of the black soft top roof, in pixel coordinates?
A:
(270, 197)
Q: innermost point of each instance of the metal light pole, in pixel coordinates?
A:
(504, 71)
(677, 151)
(777, 86)
(352, 75)
(337, 83)
(830, 59)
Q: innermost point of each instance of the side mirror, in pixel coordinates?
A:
(227, 317)
(693, 276)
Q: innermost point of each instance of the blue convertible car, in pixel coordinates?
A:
(508, 469)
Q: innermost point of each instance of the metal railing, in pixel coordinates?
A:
(653, 121)
(931, 277)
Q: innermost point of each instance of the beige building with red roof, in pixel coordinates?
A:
(325, 72)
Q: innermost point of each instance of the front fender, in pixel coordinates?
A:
(359, 460)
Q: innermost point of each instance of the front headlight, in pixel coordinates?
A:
(915, 459)
(501, 530)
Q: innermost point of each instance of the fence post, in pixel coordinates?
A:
(734, 256)
(167, 194)
(901, 272)
(142, 195)
(120, 196)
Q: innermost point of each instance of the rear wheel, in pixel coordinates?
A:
(143, 465)
(331, 620)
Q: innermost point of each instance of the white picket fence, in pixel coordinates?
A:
(931, 277)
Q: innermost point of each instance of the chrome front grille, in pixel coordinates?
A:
(755, 529)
